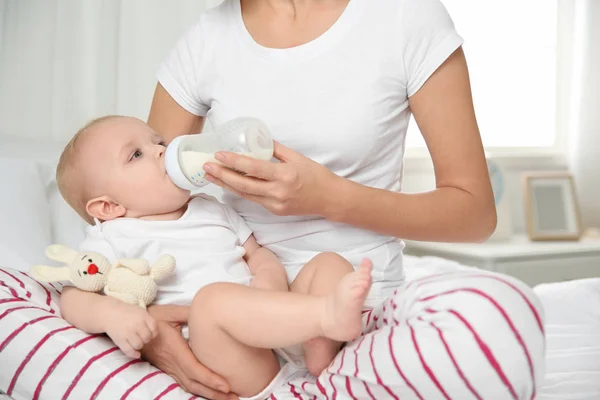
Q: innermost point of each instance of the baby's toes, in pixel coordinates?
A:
(366, 264)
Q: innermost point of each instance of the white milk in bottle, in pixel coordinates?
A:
(186, 155)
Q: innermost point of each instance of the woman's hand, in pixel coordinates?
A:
(170, 353)
(296, 186)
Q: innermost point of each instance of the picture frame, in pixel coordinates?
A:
(551, 206)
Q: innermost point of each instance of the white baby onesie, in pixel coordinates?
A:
(206, 243)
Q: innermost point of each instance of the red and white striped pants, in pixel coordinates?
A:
(461, 335)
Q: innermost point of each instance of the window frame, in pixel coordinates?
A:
(532, 157)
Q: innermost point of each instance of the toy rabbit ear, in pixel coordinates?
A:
(58, 252)
(45, 273)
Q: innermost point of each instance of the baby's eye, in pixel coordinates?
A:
(162, 143)
(136, 154)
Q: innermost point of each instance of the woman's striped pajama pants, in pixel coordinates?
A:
(461, 335)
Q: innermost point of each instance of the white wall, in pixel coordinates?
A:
(64, 62)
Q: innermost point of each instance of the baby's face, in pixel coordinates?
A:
(124, 160)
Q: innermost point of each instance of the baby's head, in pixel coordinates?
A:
(114, 167)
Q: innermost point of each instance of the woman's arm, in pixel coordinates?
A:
(169, 119)
(460, 209)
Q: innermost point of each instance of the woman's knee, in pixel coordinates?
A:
(501, 318)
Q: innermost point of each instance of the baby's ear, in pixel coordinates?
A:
(104, 208)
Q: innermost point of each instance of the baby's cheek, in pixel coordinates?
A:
(98, 182)
(143, 182)
(135, 192)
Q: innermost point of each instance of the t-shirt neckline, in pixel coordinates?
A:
(303, 51)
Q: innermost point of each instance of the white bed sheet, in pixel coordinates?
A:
(573, 340)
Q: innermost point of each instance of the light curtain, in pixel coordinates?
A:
(584, 127)
(64, 62)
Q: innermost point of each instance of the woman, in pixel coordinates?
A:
(336, 81)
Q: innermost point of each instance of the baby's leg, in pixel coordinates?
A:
(247, 369)
(320, 276)
(232, 325)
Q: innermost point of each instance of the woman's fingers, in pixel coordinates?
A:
(283, 153)
(250, 166)
(192, 375)
(200, 390)
(218, 182)
(236, 181)
(170, 352)
(252, 197)
(201, 380)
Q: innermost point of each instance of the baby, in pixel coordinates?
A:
(113, 173)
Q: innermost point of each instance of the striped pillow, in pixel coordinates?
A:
(44, 357)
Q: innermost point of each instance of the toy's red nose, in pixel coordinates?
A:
(92, 269)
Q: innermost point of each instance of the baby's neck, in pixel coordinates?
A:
(170, 216)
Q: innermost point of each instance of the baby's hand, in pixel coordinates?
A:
(130, 327)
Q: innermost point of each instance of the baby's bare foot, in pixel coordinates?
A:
(342, 320)
(318, 354)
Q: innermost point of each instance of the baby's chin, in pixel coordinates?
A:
(182, 196)
(174, 197)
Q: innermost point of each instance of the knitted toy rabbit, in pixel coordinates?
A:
(130, 280)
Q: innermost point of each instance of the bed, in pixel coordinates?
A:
(43, 357)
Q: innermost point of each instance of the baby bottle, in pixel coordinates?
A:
(186, 155)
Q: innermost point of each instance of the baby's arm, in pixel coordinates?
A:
(129, 326)
(266, 269)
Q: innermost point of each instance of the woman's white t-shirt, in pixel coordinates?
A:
(341, 100)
